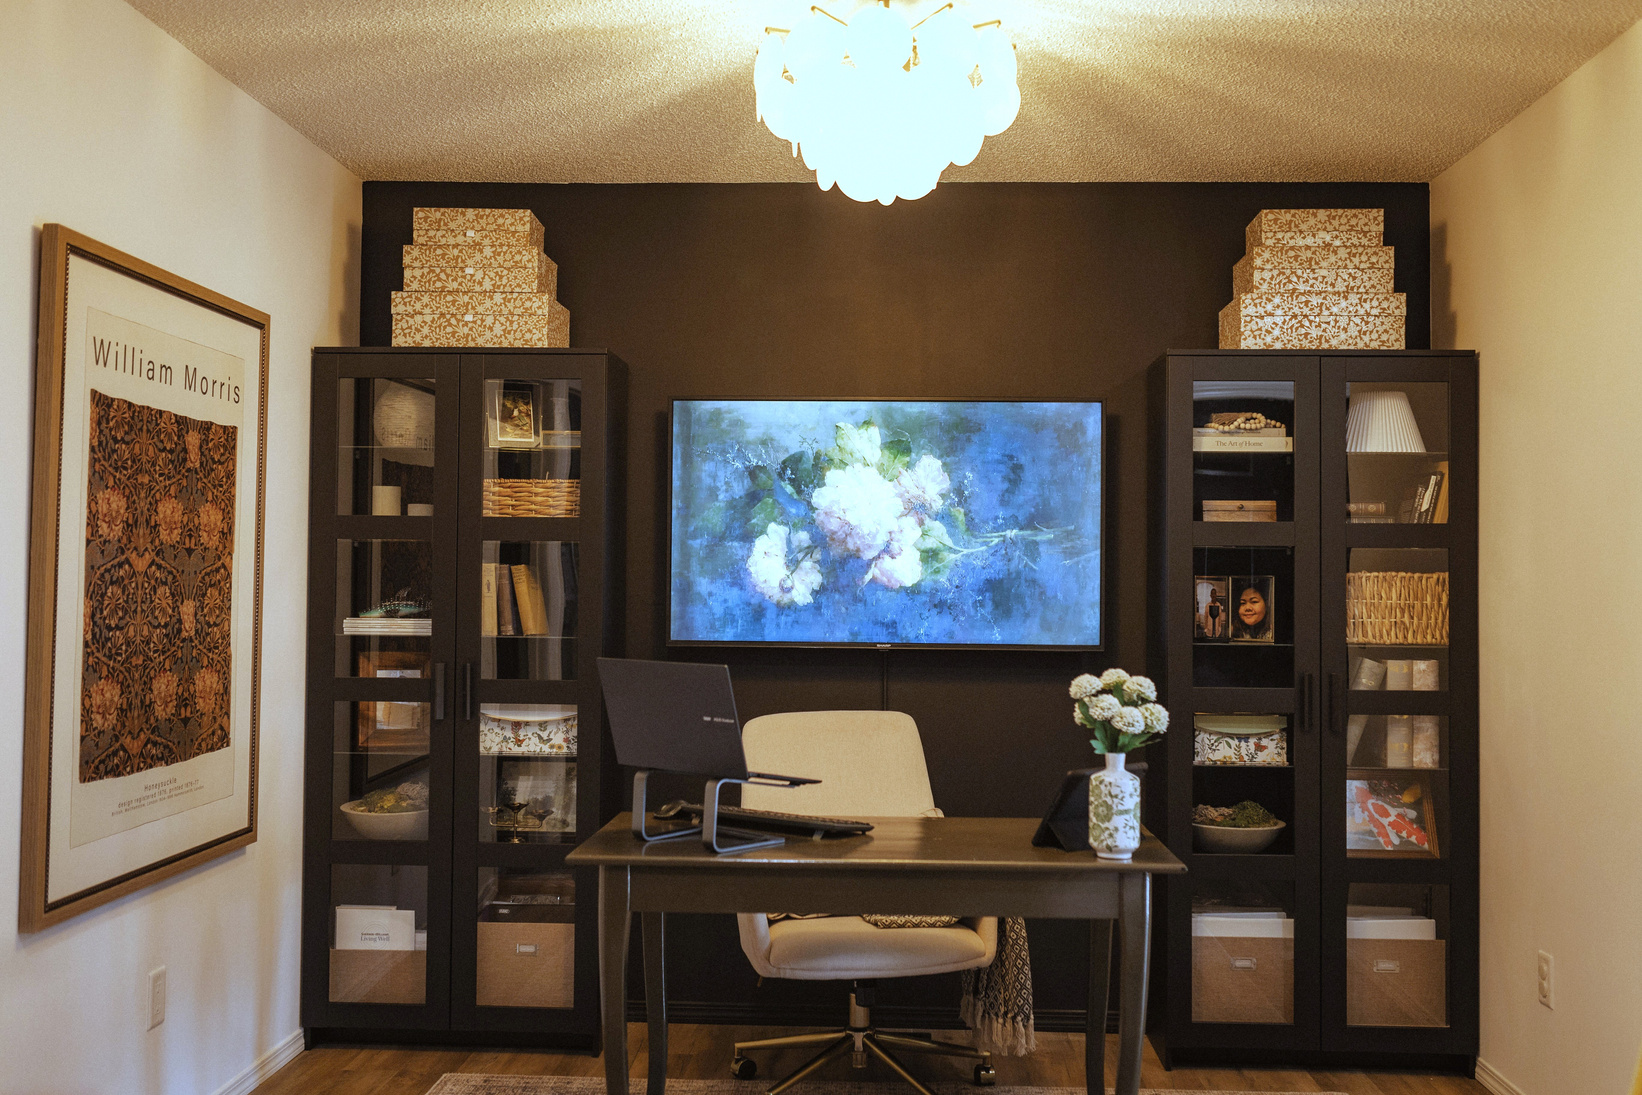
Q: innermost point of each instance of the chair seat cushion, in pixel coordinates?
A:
(841, 947)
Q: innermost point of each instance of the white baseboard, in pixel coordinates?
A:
(274, 1060)
(1490, 1078)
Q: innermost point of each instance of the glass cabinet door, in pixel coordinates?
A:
(1242, 559)
(381, 623)
(1398, 595)
(524, 674)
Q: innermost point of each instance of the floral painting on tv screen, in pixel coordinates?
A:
(939, 523)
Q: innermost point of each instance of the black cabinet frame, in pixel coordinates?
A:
(1318, 703)
(453, 854)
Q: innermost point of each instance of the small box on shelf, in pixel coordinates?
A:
(1242, 968)
(1396, 982)
(1229, 509)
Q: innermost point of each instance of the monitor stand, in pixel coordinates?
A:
(641, 780)
(741, 840)
(719, 839)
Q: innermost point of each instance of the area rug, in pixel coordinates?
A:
(474, 1083)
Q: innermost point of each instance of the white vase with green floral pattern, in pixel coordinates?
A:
(1114, 810)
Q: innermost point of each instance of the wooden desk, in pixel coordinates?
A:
(931, 866)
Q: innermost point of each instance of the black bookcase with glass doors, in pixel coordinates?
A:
(1314, 619)
(464, 574)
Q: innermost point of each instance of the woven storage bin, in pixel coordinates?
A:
(532, 498)
(1391, 608)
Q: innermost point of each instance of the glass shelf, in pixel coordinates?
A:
(385, 430)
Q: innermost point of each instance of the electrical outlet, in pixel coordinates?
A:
(156, 997)
(1545, 980)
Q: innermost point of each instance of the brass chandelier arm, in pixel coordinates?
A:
(933, 14)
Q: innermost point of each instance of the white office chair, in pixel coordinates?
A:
(870, 764)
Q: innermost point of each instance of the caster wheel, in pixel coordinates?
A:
(743, 1068)
(985, 1076)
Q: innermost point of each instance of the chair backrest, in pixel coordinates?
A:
(870, 764)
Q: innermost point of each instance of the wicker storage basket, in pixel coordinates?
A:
(1392, 608)
(533, 498)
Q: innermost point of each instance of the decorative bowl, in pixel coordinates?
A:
(1227, 839)
(404, 825)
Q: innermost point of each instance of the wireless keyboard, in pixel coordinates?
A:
(769, 819)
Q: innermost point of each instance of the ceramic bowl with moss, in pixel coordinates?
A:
(1243, 829)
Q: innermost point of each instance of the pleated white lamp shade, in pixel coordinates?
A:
(1382, 422)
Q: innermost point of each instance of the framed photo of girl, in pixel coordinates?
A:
(1253, 611)
(145, 579)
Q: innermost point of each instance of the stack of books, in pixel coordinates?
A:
(1315, 279)
(387, 625)
(1426, 502)
(511, 601)
(478, 277)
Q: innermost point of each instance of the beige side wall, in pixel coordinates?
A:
(109, 126)
(1537, 263)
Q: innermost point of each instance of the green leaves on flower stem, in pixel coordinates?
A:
(803, 472)
(1124, 743)
(959, 520)
(893, 456)
(759, 476)
(763, 515)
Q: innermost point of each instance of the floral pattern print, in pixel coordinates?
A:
(156, 679)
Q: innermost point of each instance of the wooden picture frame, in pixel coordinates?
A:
(515, 415)
(1383, 821)
(1255, 622)
(143, 674)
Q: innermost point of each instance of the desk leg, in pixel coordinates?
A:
(655, 997)
(614, 917)
(1100, 989)
(1136, 930)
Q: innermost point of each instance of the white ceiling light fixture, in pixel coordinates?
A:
(882, 106)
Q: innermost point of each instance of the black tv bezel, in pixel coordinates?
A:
(756, 644)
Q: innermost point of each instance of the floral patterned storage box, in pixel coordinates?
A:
(1240, 739)
(537, 730)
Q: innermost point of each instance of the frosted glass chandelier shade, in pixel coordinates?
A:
(880, 106)
(1382, 422)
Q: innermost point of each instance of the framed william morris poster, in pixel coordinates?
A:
(145, 579)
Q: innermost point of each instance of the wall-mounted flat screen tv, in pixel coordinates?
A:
(900, 523)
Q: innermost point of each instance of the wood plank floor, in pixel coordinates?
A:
(703, 1052)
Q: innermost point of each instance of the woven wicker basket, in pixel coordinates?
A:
(533, 498)
(1392, 608)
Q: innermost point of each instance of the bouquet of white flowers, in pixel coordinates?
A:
(1122, 710)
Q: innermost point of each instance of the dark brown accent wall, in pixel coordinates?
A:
(979, 290)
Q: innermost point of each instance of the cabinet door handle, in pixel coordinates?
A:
(1302, 712)
(1334, 682)
(439, 691)
(467, 690)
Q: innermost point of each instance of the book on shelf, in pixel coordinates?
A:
(371, 625)
(507, 611)
(1419, 505)
(1257, 441)
(487, 599)
(1365, 509)
(527, 594)
(1440, 515)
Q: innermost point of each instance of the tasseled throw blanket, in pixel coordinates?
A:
(997, 999)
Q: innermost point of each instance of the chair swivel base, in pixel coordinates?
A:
(860, 1041)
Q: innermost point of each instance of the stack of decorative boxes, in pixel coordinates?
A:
(1314, 279)
(478, 277)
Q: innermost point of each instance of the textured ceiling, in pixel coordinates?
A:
(661, 90)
